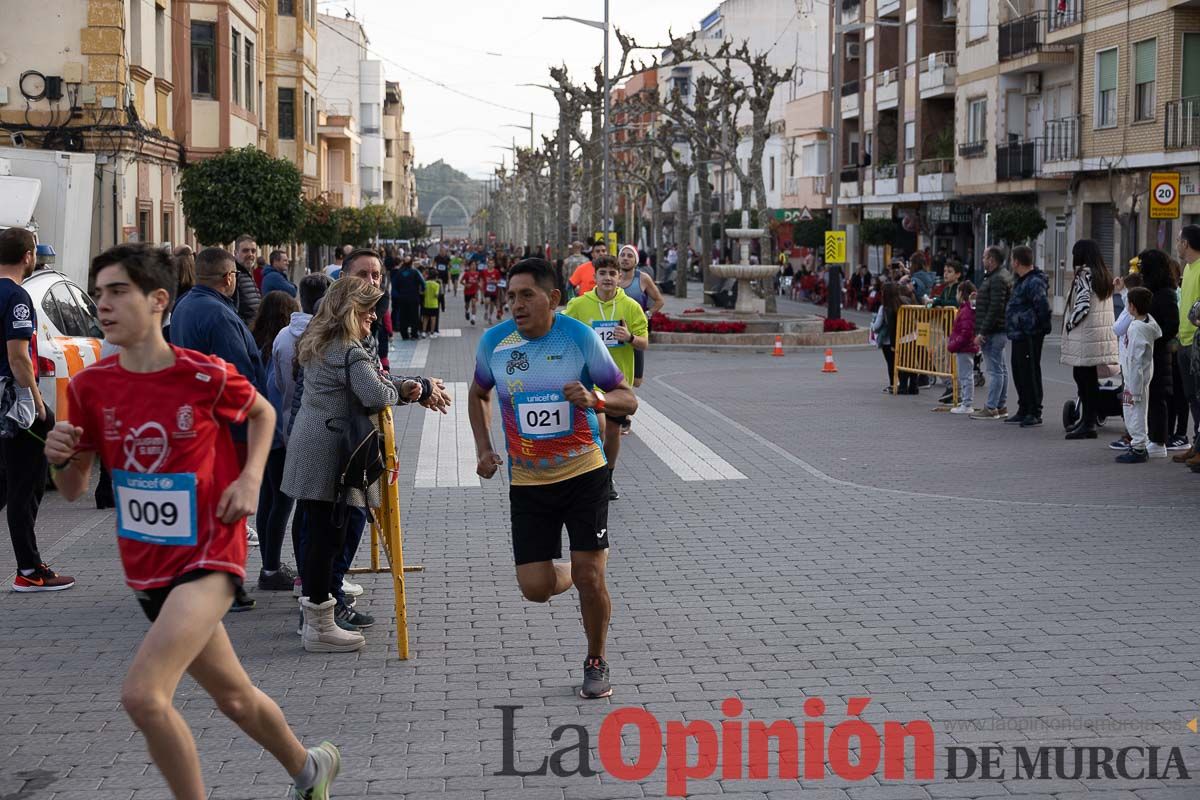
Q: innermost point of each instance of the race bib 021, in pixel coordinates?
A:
(156, 508)
(608, 331)
(543, 415)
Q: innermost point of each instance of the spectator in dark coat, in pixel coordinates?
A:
(205, 320)
(246, 295)
(275, 275)
(1026, 323)
(1155, 267)
(407, 288)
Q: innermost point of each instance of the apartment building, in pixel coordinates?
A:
(399, 182)
(217, 45)
(894, 112)
(290, 88)
(1069, 105)
(352, 88)
(77, 66)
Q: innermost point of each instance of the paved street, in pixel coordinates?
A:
(782, 535)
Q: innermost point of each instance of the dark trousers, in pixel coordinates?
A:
(1027, 375)
(1159, 402)
(1087, 384)
(1178, 407)
(1191, 386)
(325, 541)
(274, 508)
(407, 319)
(22, 484)
(354, 533)
(908, 380)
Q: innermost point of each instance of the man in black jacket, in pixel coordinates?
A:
(1027, 321)
(991, 301)
(407, 287)
(247, 296)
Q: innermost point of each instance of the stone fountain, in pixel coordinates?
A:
(748, 301)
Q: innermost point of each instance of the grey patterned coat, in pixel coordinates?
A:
(309, 471)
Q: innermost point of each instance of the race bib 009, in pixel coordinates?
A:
(543, 415)
(608, 331)
(157, 508)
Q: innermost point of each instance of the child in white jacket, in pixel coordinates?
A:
(1137, 367)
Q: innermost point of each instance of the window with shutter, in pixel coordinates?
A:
(977, 20)
(1145, 68)
(1191, 65)
(1106, 89)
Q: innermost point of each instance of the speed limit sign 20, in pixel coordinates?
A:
(1164, 195)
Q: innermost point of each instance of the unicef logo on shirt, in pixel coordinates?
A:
(166, 483)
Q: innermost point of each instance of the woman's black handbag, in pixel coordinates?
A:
(360, 461)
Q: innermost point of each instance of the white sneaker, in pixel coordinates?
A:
(961, 410)
(1157, 450)
(352, 589)
(251, 535)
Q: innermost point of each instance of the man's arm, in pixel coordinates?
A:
(70, 468)
(653, 292)
(618, 401)
(479, 412)
(21, 364)
(240, 498)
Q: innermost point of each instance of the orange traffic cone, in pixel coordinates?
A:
(778, 346)
(829, 365)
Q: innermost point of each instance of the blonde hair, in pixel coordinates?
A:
(339, 318)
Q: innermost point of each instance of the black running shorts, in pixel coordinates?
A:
(540, 512)
(152, 600)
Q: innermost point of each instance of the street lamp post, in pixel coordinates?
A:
(605, 180)
(528, 127)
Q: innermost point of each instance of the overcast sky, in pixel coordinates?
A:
(453, 42)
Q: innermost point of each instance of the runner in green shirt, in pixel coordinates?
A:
(430, 303)
(621, 324)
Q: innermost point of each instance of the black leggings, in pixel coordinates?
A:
(325, 541)
(1087, 383)
(1177, 411)
(908, 380)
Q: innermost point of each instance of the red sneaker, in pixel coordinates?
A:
(43, 579)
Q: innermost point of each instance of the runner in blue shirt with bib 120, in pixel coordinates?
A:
(544, 365)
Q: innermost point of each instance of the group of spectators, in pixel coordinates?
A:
(314, 349)
(1130, 341)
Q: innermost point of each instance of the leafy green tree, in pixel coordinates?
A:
(411, 228)
(242, 191)
(1016, 224)
(320, 225)
(878, 232)
(810, 232)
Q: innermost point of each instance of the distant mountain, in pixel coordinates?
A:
(437, 180)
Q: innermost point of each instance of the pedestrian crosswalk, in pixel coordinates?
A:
(406, 355)
(446, 453)
(684, 454)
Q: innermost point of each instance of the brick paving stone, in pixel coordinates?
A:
(953, 571)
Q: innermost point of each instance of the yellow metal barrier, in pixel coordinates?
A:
(386, 530)
(921, 337)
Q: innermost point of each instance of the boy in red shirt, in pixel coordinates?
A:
(158, 416)
(470, 280)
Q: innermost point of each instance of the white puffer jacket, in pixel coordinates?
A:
(1088, 339)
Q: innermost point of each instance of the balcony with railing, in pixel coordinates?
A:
(1061, 16)
(887, 89)
(1023, 46)
(1061, 140)
(972, 149)
(886, 184)
(1021, 36)
(935, 175)
(1182, 126)
(848, 186)
(804, 190)
(938, 74)
(1017, 160)
(849, 104)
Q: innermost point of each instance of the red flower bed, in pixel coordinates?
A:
(694, 311)
(664, 324)
(834, 325)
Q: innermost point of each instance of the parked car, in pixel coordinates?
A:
(68, 334)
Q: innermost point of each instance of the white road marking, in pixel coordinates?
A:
(687, 456)
(453, 333)
(447, 450)
(409, 355)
